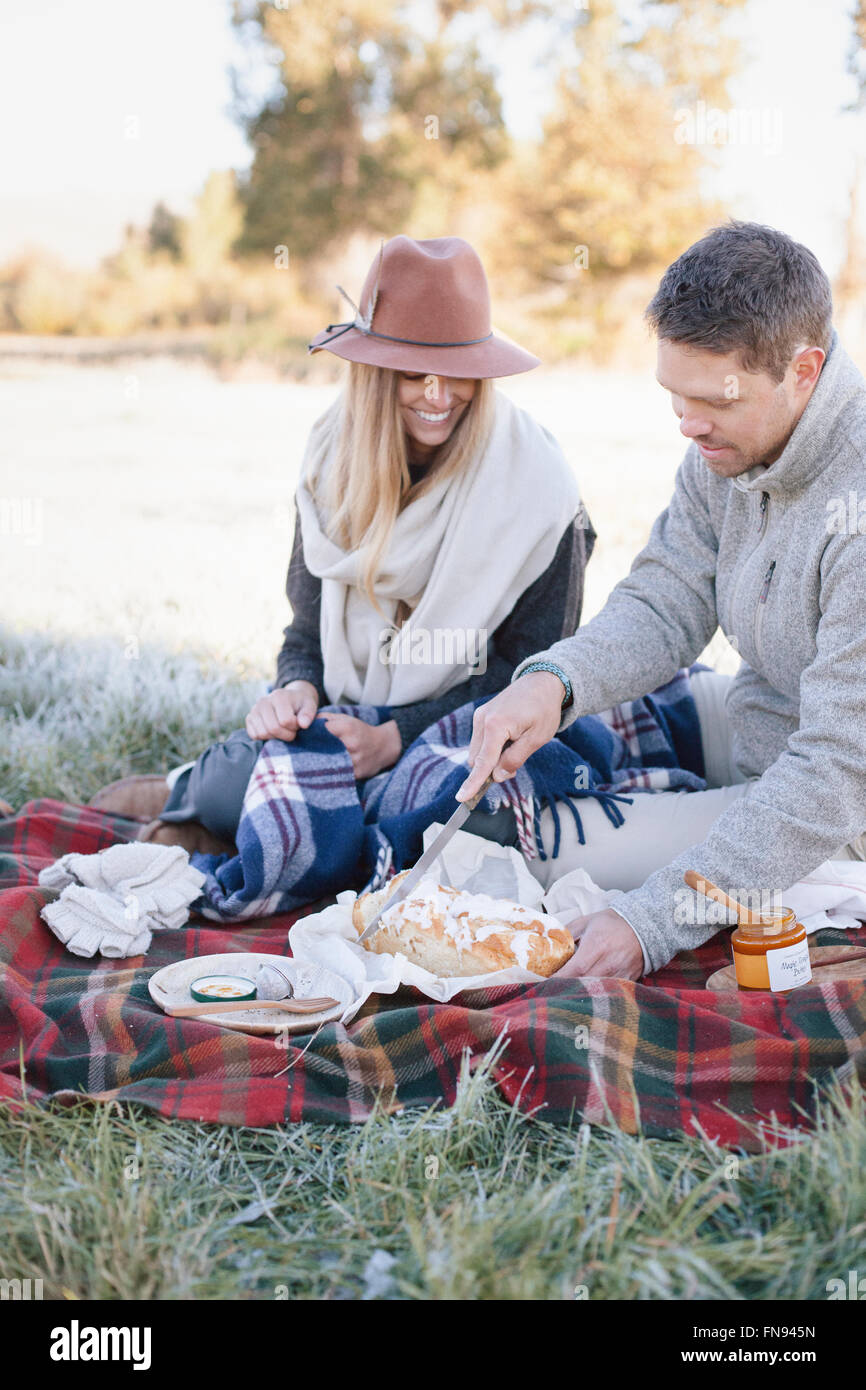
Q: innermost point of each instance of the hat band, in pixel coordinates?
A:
(410, 342)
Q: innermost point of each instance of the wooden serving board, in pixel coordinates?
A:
(826, 967)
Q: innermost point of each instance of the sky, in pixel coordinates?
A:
(74, 78)
(107, 106)
(797, 69)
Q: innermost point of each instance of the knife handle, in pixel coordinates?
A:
(473, 801)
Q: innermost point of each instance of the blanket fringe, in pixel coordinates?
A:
(581, 838)
(539, 804)
(523, 808)
(608, 804)
(612, 811)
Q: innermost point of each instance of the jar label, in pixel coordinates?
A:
(789, 966)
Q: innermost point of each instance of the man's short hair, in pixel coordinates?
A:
(749, 289)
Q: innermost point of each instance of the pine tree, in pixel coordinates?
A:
(163, 234)
(612, 189)
(369, 113)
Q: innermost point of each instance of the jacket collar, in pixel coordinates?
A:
(806, 453)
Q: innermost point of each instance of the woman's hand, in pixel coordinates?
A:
(372, 747)
(281, 713)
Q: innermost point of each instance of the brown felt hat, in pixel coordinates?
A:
(425, 307)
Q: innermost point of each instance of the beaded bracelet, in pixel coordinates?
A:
(556, 671)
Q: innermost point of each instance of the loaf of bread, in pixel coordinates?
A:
(452, 933)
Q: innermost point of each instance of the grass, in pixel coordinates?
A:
(476, 1202)
(76, 714)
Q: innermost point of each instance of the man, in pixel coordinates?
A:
(752, 542)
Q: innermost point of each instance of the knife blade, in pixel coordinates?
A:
(430, 855)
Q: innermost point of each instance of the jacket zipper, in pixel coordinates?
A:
(762, 602)
(762, 526)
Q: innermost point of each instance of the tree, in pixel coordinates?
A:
(366, 112)
(386, 116)
(163, 234)
(612, 189)
(208, 236)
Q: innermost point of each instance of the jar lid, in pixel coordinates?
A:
(773, 922)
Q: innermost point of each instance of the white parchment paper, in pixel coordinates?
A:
(833, 896)
(470, 863)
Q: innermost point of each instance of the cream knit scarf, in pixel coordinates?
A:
(460, 555)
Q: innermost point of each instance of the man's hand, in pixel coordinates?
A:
(372, 747)
(281, 713)
(528, 712)
(606, 945)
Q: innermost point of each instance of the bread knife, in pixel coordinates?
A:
(429, 857)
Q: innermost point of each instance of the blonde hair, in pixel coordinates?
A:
(369, 484)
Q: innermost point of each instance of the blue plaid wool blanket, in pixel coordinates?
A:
(309, 830)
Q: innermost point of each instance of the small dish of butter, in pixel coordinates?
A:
(208, 988)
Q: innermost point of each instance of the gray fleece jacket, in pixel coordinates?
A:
(763, 557)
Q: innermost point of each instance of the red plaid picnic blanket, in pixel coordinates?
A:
(666, 1054)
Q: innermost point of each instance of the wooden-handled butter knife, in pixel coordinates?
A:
(430, 855)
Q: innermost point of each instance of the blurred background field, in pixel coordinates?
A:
(193, 183)
(165, 509)
(175, 218)
(198, 179)
(143, 588)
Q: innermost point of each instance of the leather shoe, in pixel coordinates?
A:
(191, 835)
(139, 798)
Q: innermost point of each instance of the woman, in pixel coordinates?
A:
(439, 540)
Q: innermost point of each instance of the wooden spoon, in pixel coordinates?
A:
(289, 1006)
(709, 890)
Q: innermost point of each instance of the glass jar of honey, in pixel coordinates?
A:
(771, 954)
